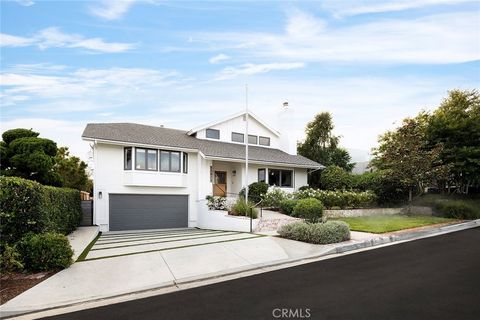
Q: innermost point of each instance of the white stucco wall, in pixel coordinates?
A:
(238, 125)
(110, 177)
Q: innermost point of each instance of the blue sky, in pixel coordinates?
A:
(180, 64)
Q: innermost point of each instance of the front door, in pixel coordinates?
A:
(220, 184)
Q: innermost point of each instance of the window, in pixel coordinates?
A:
(237, 137)
(252, 139)
(213, 134)
(264, 141)
(146, 159)
(185, 162)
(261, 175)
(169, 161)
(280, 178)
(127, 158)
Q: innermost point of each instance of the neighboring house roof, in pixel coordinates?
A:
(165, 137)
(238, 114)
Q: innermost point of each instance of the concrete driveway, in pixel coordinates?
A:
(124, 262)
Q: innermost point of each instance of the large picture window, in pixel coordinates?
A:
(146, 159)
(280, 178)
(169, 161)
(127, 158)
(213, 134)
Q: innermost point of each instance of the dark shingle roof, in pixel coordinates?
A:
(159, 136)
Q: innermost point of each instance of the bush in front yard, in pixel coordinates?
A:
(309, 209)
(287, 206)
(274, 197)
(243, 208)
(10, 259)
(45, 251)
(457, 209)
(216, 203)
(256, 191)
(27, 206)
(316, 233)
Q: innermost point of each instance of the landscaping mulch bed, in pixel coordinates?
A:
(11, 285)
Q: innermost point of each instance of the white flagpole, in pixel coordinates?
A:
(246, 142)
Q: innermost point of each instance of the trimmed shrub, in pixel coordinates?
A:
(388, 189)
(335, 178)
(216, 203)
(274, 197)
(457, 209)
(27, 206)
(309, 209)
(256, 191)
(243, 208)
(10, 259)
(317, 233)
(45, 251)
(341, 199)
(287, 206)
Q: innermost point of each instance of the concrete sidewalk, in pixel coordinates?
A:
(116, 276)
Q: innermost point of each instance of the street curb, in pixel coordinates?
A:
(366, 244)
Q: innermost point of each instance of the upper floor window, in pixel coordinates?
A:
(146, 159)
(213, 133)
(170, 161)
(127, 158)
(237, 137)
(185, 162)
(264, 141)
(252, 139)
(280, 178)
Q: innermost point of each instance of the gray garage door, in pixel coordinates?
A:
(137, 212)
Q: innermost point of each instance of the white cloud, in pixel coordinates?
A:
(7, 40)
(351, 8)
(111, 9)
(251, 69)
(218, 58)
(54, 37)
(25, 3)
(439, 38)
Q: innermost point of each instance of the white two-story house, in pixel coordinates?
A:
(148, 177)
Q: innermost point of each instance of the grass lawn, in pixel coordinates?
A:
(389, 223)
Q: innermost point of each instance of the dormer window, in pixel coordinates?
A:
(264, 141)
(213, 134)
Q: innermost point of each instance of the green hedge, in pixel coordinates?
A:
(317, 233)
(287, 206)
(342, 199)
(457, 209)
(309, 209)
(29, 207)
(45, 251)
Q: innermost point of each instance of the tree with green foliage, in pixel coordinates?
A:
(456, 126)
(24, 154)
(335, 178)
(321, 145)
(71, 170)
(404, 152)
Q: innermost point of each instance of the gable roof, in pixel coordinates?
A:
(165, 137)
(233, 116)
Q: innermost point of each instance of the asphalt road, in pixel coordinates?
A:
(434, 278)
